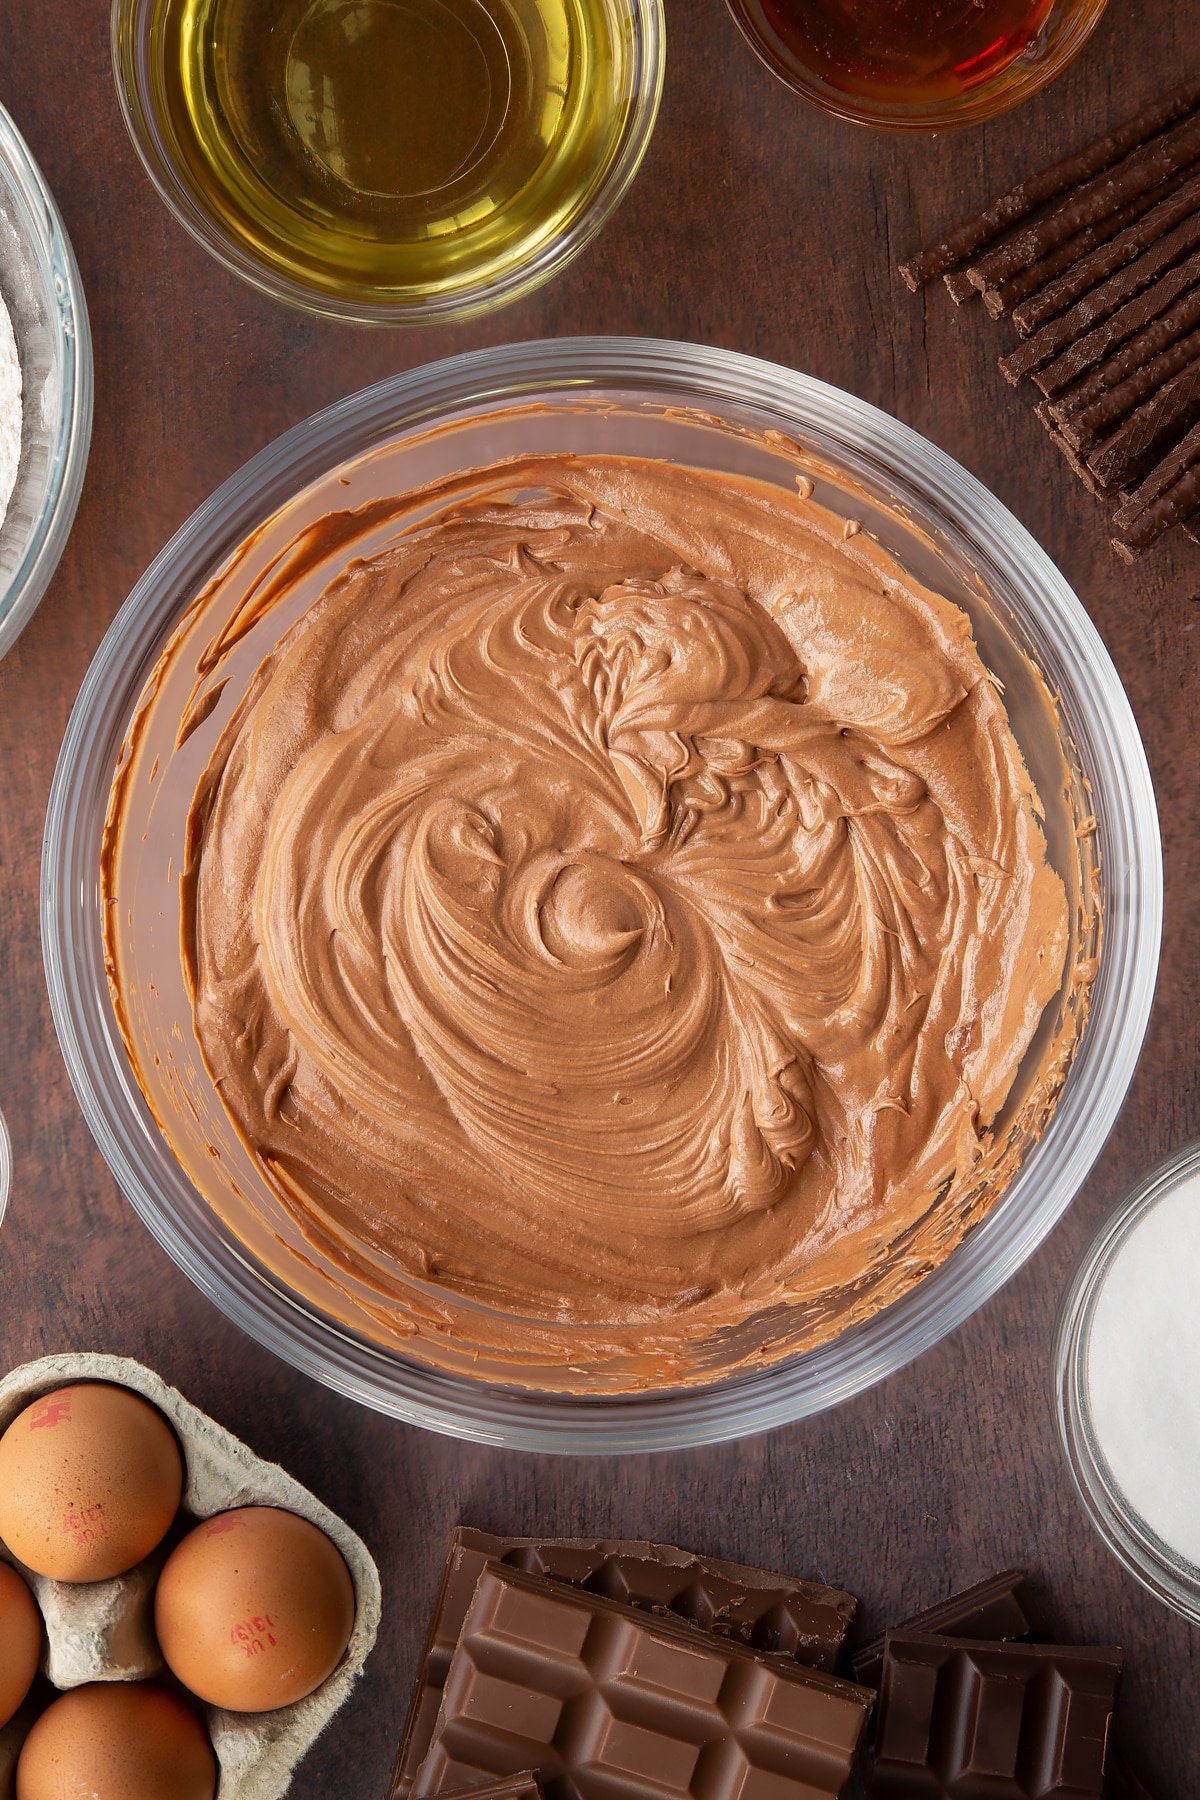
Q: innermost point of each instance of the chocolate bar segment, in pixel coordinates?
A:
(797, 1620)
(601, 1699)
(1002, 1607)
(968, 1721)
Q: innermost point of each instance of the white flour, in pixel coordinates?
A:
(1143, 1368)
(10, 409)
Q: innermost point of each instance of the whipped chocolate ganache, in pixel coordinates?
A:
(620, 904)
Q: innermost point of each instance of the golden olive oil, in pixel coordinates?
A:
(380, 150)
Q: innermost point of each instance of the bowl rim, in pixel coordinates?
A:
(66, 304)
(1052, 1171)
(648, 19)
(1127, 1536)
(974, 107)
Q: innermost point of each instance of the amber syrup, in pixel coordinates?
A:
(904, 52)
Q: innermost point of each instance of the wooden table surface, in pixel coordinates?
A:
(758, 224)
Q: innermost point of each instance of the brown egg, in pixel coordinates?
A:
(117, 1740)
(254, 1609)
(90, 1480)
(20, 1641)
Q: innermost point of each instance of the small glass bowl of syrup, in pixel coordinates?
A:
(391, 161)
(916, 65)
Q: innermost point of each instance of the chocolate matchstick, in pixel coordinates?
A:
(1170, 492)
(1159, 338)
(1001, 299)
(1085, 427)
(1125, 323)
(1141, 173)
(1040, 189)
(1123, 459)
(1074, 461)
(1108, 259)
(1105, 301)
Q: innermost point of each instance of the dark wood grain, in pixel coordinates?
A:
(758, 224)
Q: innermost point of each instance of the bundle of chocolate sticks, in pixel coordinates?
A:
(1096, 262)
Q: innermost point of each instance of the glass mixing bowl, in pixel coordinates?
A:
(704, 408)
(471, 282)
(40, 284)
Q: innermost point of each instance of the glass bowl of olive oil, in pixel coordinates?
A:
(391, 161)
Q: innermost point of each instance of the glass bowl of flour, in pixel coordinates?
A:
(1128, 1401)
(45, 385)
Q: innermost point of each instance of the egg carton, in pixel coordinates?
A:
(104, 1630)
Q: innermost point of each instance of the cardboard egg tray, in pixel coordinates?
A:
(104, 1630)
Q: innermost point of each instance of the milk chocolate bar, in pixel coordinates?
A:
(796, 1620)
(968, 1721)
(602, 1699)
(1002, 1607)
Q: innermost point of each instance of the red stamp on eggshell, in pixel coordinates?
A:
(53, 1409)
(222, 1523)
(86, 1525)
(255, 1636)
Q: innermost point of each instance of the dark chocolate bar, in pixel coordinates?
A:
(797, 1620)
(1002, 1607)
(969, 1721)
(602, 1700)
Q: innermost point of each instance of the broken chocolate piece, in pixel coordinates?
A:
(601, 1699)
(780, 1617)
(523, 1786)
(968, 1721)
(1000, 1607)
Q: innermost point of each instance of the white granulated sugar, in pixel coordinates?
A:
(1143, 1369)
(10, 409)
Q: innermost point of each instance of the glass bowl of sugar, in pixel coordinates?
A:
(1126, 1356)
